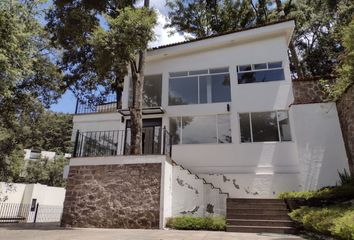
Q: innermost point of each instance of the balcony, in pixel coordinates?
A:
(156, 141)
(106, 104)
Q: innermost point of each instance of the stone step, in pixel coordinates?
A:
(257, 216)
(254, 200)
(233, 205)
(260, 229)
(256, 211)
(253, 222)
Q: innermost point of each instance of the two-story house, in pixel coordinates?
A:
(221, 107)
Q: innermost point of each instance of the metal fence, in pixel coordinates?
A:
(28, 213)
(117, 142)
(107, 103)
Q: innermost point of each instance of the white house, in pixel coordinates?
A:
(226, 101)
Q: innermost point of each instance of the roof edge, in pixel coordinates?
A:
(220, 34)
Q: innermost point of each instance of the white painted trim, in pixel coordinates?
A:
(117, 160)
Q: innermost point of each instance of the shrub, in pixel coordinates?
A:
(345, 191)
(197, 223)
(344, 226)
(336, 220)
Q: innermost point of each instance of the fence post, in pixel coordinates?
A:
(35, 214)
(164, 141)
(76, 143)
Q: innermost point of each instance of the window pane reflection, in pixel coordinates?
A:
(264, 127)
(200, 129)
(224, 129)
(183, 91)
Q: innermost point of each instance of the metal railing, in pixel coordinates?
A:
(28, 213)
(156, 141)
(108, 103)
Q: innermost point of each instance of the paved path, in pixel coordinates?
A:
(55, 233)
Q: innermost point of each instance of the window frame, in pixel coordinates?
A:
(253, 69)
(188, 74)
(251, 127)
(180, 122)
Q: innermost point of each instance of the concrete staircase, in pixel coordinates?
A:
(258, 215)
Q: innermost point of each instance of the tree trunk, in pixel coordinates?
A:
(295, 60)
(136, 114)
(137, 106)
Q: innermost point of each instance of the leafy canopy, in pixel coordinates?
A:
(127, 35)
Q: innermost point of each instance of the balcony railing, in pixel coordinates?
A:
(108, 103)
(156, 141)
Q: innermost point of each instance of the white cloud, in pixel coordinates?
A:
(162, 34)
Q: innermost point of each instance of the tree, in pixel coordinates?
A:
(49, 131)
(45, 172)
(316, 44)
(98, 57)
(345, 70)
(29, 78)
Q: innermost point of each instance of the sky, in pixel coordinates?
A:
(67, 102)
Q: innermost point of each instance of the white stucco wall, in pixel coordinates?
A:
(191, 196)
(320, 146)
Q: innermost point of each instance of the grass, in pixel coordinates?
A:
(197, 223)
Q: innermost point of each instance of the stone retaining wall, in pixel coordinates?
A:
(345, 108)
(113, 196)
(308, 91)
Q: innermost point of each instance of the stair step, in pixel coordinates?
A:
(256, 211)
(258, 216)
(254, 200)
(259, 229)
(256, 205)
(253, 222)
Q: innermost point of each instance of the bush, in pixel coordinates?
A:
(197, 223)
(344, 226)
(338, 192)
(336, 220)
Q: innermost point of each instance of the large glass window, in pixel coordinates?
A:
(265, 126)
(201, 129)
(183, 90)
(152, 91)
(199, 86)
(260, 72)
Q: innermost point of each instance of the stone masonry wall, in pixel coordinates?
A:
(113, 196)
(308, 91)
(345, 108)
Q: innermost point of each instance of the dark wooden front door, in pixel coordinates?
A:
(152, 130)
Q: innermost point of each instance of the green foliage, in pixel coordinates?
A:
(346, 68)
(346, 178)
(345, 191)
(336, 220)
(29, 79)
(197, 223)
(344, 226)
(44, 171)
(127, 36)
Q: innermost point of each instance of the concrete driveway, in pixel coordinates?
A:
(55, 233)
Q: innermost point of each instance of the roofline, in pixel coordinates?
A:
(220, 34)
